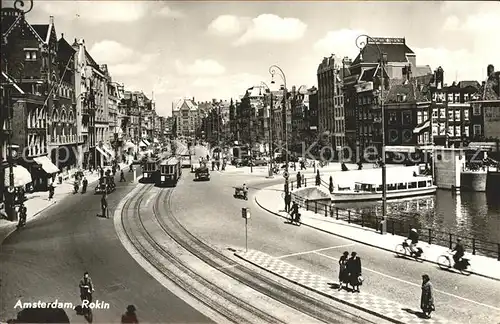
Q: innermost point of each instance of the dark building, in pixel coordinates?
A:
(31, 74)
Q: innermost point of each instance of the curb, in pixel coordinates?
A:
(369, 311)
(35, 215)
(361, 242)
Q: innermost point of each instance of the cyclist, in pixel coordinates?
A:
(413, 238)
(459, 251)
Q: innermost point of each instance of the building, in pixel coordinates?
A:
(331, 125)
(185, 112)
(169, 126)
(362, 93)
(304, 108)
(486, 110)
(30, 79)
(63, 130)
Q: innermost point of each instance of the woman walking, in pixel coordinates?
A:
(354, 269)
(427, 298)
(343, 273)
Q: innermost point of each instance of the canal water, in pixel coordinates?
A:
(472, 214)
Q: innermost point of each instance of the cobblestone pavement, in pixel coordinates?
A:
(371, 303)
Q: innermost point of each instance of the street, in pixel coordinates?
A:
(46, 260)
(458, 298)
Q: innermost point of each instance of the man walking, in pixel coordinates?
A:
(51, 191)
(288, 200)
(122, 176)
(299, 180)
(104, 205)
(85, 183)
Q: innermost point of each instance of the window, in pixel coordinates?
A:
(392, 118)
(466, 114)
(442, 113)
(466, 131)
(450, 115)
(450, 131)
(457, 115)
(457, 131)
(30, 54)
(435, 112)
(477, 130)
(476, 110)
(406, 118)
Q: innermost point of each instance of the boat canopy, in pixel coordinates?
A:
(394, 180)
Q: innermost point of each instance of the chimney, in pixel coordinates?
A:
(62, 35)
(51, 19)
(490, 70)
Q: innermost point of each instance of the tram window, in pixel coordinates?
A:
(380, 188)
(412, 185)
(421, 184)
(392, 187)
(402, 186)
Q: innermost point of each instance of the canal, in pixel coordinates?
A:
(472, 214)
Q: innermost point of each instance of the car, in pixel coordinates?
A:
(259, 162)
(106, 184)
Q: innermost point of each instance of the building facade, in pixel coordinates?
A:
(187, 119)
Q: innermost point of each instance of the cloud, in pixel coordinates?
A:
(133, 67)
(166, 11)
(272, 28)
(484, 22)
(161, 85)
(110, 52)
(339, 42)
(227, 25)
(200, 68)
(226, 86)
(97, 11)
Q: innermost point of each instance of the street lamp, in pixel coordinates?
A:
(270, 132)
(274, 69)
(361, 44)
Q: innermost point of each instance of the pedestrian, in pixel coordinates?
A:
(299, 180)
(294, 166)
(343, 272)
(113, 170)
(23, 214)
(318, 178)
(51, 192)
(85, 183)
(130, 316)
(427, 298)
(122, 176)
(101, 172)
(288, 201)
(104, 205)
(354, 269)
(75, 186)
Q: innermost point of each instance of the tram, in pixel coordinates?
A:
(150, 169)
(169, 173)
(186, 160)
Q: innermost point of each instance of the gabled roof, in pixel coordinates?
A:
(491, 88)
(395, 52)
(42, 30)
(7, 20)
(416, 90)
(91, 61)
(21, 20)
(64, 45)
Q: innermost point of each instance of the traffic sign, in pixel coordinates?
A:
(285, 175)
(245, 213)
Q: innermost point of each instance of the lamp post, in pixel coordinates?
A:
(270, 132)
(274, 69)
(361, 44)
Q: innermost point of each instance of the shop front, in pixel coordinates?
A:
(12, 191)
(43, 172)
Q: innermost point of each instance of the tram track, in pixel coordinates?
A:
(305, 304)
(227, 305)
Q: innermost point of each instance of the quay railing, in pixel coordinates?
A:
(394, 226)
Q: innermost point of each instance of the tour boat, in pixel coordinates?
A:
(396, 188)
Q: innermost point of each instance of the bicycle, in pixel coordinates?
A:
(446, 262)
(404, 250)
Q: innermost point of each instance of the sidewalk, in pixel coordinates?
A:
(38, 202)
(271, 200)
(372, 304)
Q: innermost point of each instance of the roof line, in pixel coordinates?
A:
(29, 26)
(49, 32)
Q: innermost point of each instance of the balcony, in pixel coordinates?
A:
(62, 139)
(36, 150)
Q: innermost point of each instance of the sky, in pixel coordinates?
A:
(206, 49)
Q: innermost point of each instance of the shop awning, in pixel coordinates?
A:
(46, 164)
(21, 176)
(103, 153)
(146, 142)
(109, 151)
(142, 144)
